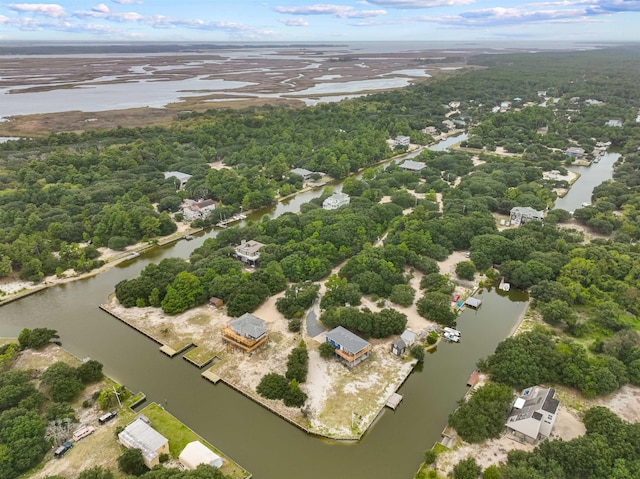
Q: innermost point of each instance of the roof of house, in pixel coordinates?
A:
(576, 150)
(196, 453)
(526, 210)
(528, 409)
(205, 203)
(408, 336)
(412, 165)
(399, 344)
(249, 326)
(142, 436)
(177, 174)
(302, 171)
(249, 247)
(347, 340)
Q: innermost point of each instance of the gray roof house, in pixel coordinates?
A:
(140, 435)
(409, 337)
(181, 177)
(575, 152)
(249, 251)
(306, 174)
(533, 415)
(335, 201)
(398, 347)
(246, 333)
(522, 214)
(410, 165)
(351, 349)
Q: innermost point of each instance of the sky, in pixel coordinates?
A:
(337, 21)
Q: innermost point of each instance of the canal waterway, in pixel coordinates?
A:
(590, 177)
(261, 442)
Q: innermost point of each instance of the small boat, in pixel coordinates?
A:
(452, 337)
(586, 203)
(188, 237)
(453, 331)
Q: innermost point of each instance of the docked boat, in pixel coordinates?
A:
(452, 337)
(188, 237)
(453, 331)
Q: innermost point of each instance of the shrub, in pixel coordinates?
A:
(272, 386)
(417, 352)
(433, 337)
(326, 350)
(466, 270)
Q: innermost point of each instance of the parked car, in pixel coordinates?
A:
(107, 417)
(83, 432)
(62, 450)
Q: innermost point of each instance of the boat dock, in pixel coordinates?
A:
(393, 401)
(473, 379)
(223, 223)
(210, 376)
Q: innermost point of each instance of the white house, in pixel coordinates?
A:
(533, 415)
(194, 210)
(401, 141)
(505, 105)
(522, 214)
(140, 435)
(335, 201)
(454, 104)
(180, 177)
(249, 251)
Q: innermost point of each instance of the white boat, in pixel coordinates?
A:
(453, 331)
(586, 203)
(452, 337)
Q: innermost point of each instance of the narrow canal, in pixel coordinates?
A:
(590, 177)
(261, 442)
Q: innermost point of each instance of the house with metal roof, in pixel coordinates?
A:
(249, 251)
(401, 140)
(473, 302)
(351, 349)
(533, 415)
(140, 435)
(522, 214)
(247, 333)
(575, 152)
(306, 174)
(410, 165)
(180, 178)
(398, 347)
(335, 201)
(409, 337)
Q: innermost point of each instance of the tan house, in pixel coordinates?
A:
(249, 251)
(533, 415)
(247, 333)
(140, 435)
(194, 210)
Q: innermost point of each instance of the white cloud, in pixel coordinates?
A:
(294, 22)
(419, 3)
(127, 2)
(102, 8)
(46, 9)
(340, 11)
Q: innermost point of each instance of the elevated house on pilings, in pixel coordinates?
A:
(351, 349)
(246, 333)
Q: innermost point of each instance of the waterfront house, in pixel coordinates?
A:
(247, 333)
(140, 435)
(454, 104)
(575, 152)
(614, 123)
(335, 201)
(306, 174)
(401, 140)
(533, 415)
(505, 105)
(522, 214)
(398, 347)
(249, 251)
(179, 177)
(193, 210)
(410, 165)
(429, 130)
(351, 349)
(196, 453)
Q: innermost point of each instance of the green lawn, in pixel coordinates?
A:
(180, 435)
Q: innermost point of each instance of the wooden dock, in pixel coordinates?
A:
(394, 401)
(211, 376)
(168, 351)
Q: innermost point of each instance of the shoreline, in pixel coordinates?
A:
(310, 421)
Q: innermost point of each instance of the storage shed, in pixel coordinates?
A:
(196, 453)
(398, 347)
